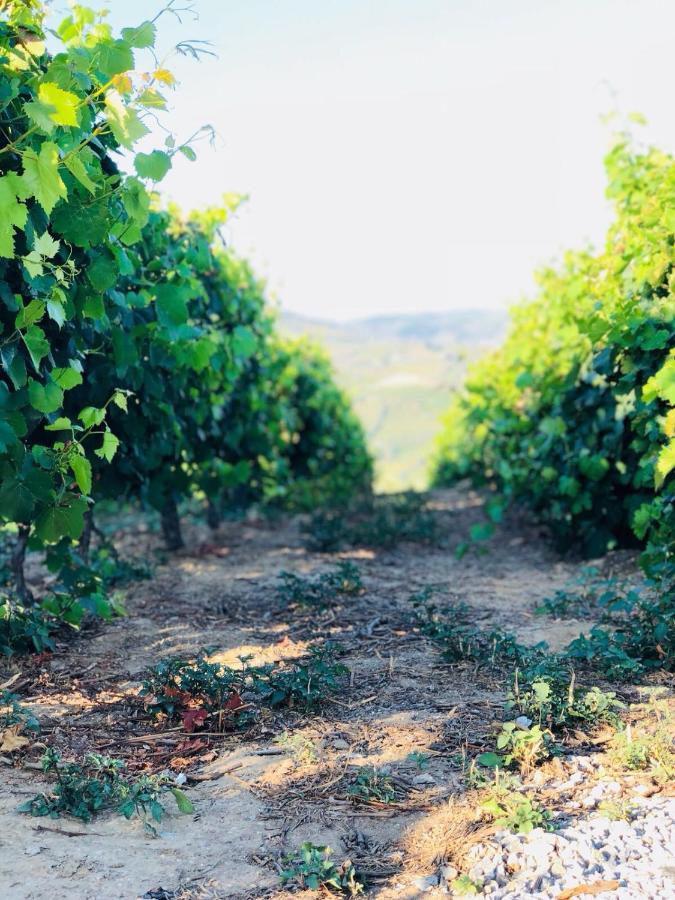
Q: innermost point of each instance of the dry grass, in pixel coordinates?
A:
(445, 834)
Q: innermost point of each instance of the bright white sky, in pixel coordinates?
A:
(411, 155)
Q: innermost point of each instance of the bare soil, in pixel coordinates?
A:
(254, 797)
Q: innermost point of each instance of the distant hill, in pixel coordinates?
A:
(465, 326)
(400, 372)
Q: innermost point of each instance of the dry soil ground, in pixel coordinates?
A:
(255, 797)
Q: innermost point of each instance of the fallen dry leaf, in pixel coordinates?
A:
(12, 740)
(595, 887)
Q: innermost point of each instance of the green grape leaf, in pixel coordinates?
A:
(41, 176)
(60, 424)
(66, 377)
(91, 416)
(665, 463)
(82, 470)
(102, 271)
(123, 120)
(46, 245)
(30, 314)
(13, 214)
(54, 106)
(244, 342)
(19, 495)
(36, 344)
(120, 399)
(171, 305)
(44, 398)
(153, 165)
(82, 224)
(75, 165)
(114, 58)
(188, 152)
(56, 311)
(65, 520)
(109, 446)
(141, 37)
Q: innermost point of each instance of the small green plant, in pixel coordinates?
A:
(511, 809)
(639, 641)
(371, 785)
(617, 810)
(99, 783)
(197, 690)
(521, 746)
(23, 629)
(381, 521)
(453, 629)
(548, 694)
(642, 750)
(421, 760)
(463, 886)
(306, 682)
(12, 712)
(588, 594)
(312, 867)
(343, 581)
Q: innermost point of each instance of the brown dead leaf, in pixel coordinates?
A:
(595, 887)
(12, 740)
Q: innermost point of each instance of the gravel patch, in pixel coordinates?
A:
(639, 854)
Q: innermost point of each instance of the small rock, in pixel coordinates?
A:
(448, 873)
(340, 744)
(425, 778)
(33, 850)
(428, 883)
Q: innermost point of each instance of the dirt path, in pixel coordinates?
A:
(258, 797)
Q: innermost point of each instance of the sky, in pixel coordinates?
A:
(410, 155)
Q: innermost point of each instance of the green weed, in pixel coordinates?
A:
(463, 886)
(641, 639)
(312, 867)
(372, 784)
(344, 581)
(521, 746)
(511, 809)
(98, 784)
(198, 690)
(383, 521)
(548, 694)
(650, 751)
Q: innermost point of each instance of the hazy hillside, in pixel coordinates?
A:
(400, 371)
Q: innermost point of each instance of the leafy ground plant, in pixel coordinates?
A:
(548, 694)
(200, 690)
(463, 886)
(452, 628)
(511, 809)
(99, 783)
(312, 867)
(382, 521)
(587, 595)
(520, 745)
(653, 751)
(640, 641)
(343, 581)
(23, 628)
(372, 784)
